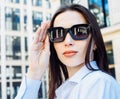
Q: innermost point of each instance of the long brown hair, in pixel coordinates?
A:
(57, 71)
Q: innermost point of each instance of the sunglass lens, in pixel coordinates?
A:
(79, 32)
(56, 34)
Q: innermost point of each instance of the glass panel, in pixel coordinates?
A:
(42, 94)
(37, 18)
(109, 52)
(16, 72)
(47, 4)
(15, 87)
(16, 1)
(12, 19)
(0, 18)
(0, 72)
(13, 1)
(25, 1)
(8, 90)
(8, 72)
(26, 69)
(26, 48)
(37, 2)
(8, 1)
(0, 47)
(8, 18)
(100, 9)
(25, 20)
(110, 56)
(13, 48)
(48, 16)
(0, 91)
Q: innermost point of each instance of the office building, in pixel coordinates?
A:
(19, 19)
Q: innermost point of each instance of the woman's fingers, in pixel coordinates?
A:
(47, 25)
(36, 37)
(41, 32)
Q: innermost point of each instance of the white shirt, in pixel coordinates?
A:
(85, 84)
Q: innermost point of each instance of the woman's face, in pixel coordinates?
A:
(71, 52)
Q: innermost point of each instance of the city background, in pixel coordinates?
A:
(19, 19)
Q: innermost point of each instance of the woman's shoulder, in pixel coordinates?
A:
(101, 77)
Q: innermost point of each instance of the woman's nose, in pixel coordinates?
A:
(68, 40)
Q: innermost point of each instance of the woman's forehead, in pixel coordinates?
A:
(69, 18)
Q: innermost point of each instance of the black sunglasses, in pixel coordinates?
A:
(77, 32)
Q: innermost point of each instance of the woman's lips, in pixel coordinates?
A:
(69, 53)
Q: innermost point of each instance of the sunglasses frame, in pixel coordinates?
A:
(69, 30)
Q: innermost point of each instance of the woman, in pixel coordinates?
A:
(76, 55)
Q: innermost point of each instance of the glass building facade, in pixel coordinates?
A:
(20, 19)
(100, 9)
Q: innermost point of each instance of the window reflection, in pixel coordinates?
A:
(26, 68)
(8, 72)
(12, 1)
(12, 19)
(8, 90)
(100, 9)
(26, 48)
(0, 18)
(25, 20)
(0, 72)
(15, 87)
(47, 4)
(25, 1)
(37, 2)
(43, 89)
(0, 47)
(48, 16)
(16, 72)
(110, 56)
(0, 91)
(37, 19)
(13, 49)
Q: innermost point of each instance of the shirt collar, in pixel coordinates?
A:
(78, 76)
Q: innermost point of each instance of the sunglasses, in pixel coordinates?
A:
(77, 32)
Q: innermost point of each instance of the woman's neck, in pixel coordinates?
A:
(73, 70)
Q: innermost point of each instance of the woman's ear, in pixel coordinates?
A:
(94, 47)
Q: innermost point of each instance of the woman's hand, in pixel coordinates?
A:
(39, 53)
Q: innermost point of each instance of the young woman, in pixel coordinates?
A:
(73, 49)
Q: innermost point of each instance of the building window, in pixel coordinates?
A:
(0, 47)
(100, 9)
(47, 4)
(37, 2)
(16, 72)
(9, 1)
(43, 90)
(37, 18)
(26, 48)
(13, 49)
(48, 16)
(0, 72)
(15, 87)
(8, 90)
(13, 1)
(25, 1)
(12, 19)
(0, 91)
(0, 18)
(25, 20)
(8, 72)
(110, 57)
(26, 68)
